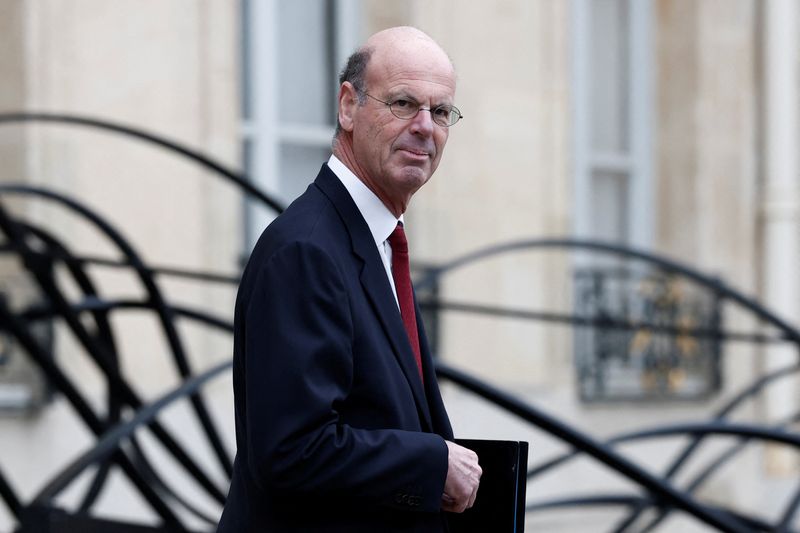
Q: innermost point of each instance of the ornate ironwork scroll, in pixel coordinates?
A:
(647, 328)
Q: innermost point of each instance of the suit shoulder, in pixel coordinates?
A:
(310, 217)
(310, 222)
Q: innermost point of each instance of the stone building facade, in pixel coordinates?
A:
(666, 125)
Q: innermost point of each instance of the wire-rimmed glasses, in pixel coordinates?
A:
(443, 115)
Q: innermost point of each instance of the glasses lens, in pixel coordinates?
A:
(441, 115)
(448, 116)
(404, 109)
(444, 115)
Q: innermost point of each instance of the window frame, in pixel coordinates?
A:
(637, 161)
(262, 131)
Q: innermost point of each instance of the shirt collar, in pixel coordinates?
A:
(380, 220)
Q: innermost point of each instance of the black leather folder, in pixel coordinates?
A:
(500, 504)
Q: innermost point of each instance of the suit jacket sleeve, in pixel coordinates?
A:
(299, 371)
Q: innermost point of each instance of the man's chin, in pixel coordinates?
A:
(414, 177)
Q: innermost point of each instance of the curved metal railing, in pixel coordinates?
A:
(116, 443)
(717, 424)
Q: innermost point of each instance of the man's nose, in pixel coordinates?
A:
(423, 123)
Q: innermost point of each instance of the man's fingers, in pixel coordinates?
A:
(473, 497)
(450, 506)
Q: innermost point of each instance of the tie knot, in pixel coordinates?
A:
(398, 241)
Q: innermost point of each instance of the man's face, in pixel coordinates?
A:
(396, 156)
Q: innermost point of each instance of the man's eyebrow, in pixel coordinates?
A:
(403, 95)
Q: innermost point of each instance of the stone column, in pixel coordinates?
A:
(781, 201)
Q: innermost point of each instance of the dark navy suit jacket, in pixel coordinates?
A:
(334, 431)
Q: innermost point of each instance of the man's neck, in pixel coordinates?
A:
(343, 150)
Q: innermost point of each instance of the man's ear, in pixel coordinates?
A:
(348, 100)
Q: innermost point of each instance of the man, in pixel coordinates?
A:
(340, 425)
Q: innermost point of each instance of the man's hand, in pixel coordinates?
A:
(463, 477)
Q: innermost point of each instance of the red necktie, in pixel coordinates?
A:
(402, 283)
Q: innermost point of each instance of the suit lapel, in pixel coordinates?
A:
(376, 285)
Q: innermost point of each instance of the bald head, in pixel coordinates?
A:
(407, 42)
(388, 47)
(398, 34)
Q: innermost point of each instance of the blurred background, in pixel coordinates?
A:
(666, 126)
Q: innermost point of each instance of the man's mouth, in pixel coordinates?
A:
(416, 153)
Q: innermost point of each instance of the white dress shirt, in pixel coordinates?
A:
(380, 220)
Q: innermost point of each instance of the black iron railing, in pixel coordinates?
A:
(117, 438)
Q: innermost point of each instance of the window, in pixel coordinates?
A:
(613, 120)
(615, 202)
(292, 52)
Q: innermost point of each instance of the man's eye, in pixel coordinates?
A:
(442, 111)
(402, 104)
